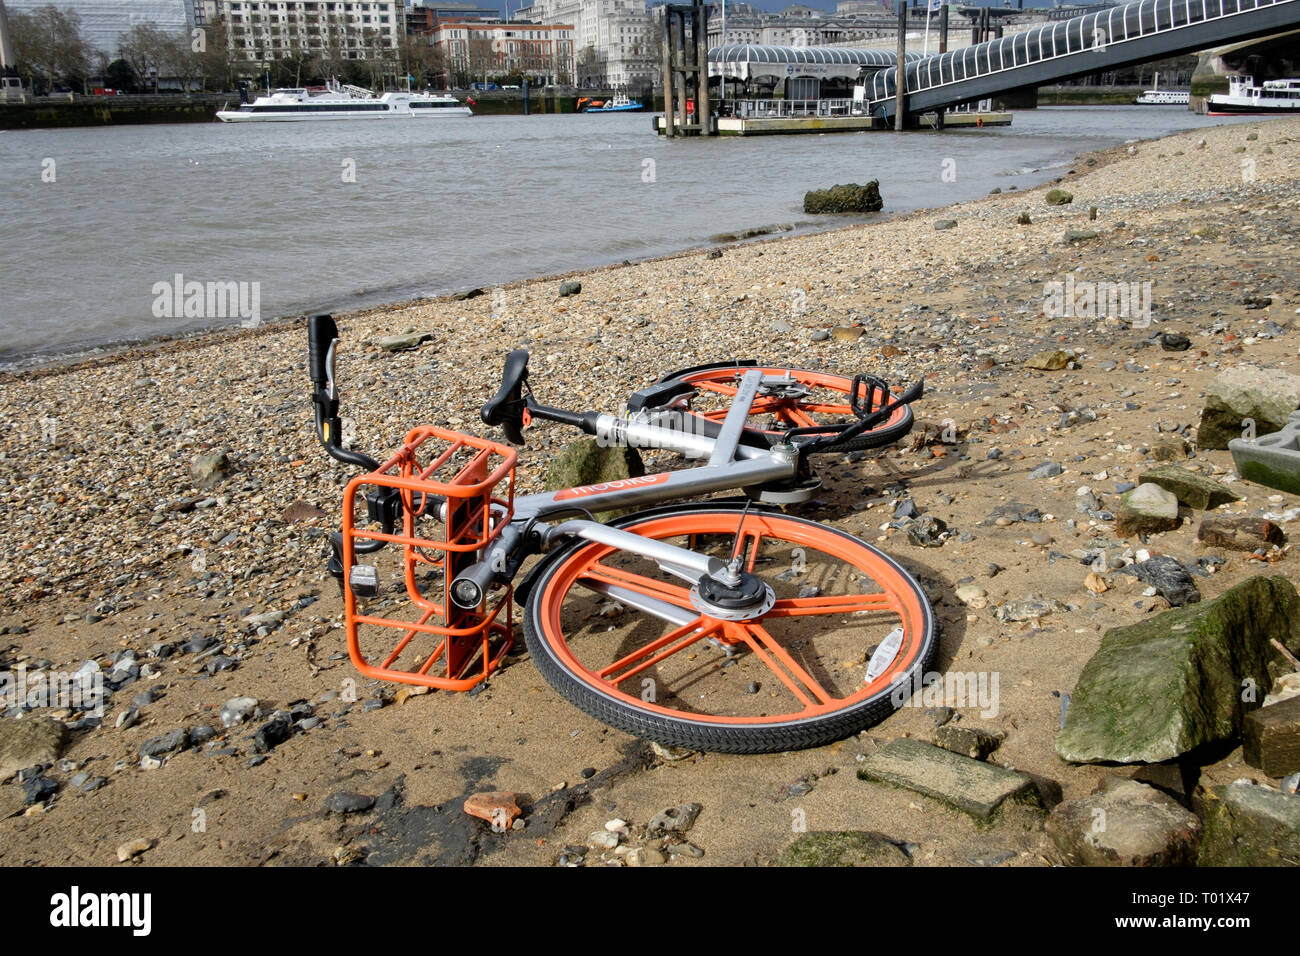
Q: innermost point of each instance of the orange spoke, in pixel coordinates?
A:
(826, 409)
(802, 420)
(766, 648)
(834, 604)
(685, 631)
(716, 387)
(642, 585)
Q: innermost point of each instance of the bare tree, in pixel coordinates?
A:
(148, 50)
(422, 60)
(49, 46)
(215, 61)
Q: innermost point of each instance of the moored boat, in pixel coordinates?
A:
(1244, 98)
(341, 102)
(618, 103)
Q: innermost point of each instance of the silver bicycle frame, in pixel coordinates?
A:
(730, 465)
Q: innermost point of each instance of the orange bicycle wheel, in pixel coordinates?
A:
(811, 399)
(628, 643)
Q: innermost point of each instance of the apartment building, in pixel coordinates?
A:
(260, 30)
(472, 50)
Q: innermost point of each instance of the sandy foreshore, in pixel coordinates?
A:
(108, 545)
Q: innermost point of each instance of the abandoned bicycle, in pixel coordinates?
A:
(721, 625)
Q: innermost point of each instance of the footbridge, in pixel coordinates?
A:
(1113, 38)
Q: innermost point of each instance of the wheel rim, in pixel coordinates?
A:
(794, 652)
(826, 405)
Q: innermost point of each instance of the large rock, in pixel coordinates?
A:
(1239, 532)
(968, 785)
(405, 342)
(1272, 738)
(1050, 360)
(587, 462)
(849, 848)
(210, 469)
(1159, 688)
(29, 741)
(1266, 396)
(1146, 509)
(1249, 825)
(1058, 197)
(848, 198)
(1195, 491)
(1126, 823)
(1170, 579)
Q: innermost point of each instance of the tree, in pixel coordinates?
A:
(591, 67)
(49, 47)
(215, 61)
(119, 76)
(149, 50)
(422, 60)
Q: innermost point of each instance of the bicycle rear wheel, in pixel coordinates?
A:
(808, 399)
(788, 678)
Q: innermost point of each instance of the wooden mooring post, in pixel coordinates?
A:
(686, 70)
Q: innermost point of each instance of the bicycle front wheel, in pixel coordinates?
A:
(626, 642)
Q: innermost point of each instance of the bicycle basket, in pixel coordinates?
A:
(457, 494)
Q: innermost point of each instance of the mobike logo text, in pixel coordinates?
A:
(582, 491)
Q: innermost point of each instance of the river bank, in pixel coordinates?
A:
(71, 110)
(110, 546)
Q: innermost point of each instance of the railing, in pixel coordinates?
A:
(763, 109)
(1093, 32)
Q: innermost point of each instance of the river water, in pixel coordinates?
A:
(97, 223)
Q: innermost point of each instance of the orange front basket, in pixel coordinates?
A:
(458, 491)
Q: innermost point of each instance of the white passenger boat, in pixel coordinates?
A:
(1244, 98)
(1158, 97)
(342, 102)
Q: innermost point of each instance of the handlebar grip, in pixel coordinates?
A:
(321, 332)
(506, 408)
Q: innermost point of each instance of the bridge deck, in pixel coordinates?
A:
(1123, 35)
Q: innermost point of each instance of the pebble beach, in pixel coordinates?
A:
(172, 495)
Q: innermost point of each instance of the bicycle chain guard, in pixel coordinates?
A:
(466, 491)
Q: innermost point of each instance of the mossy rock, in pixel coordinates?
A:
(1190, 488)
(847, 848)
(851, 197)
(1249, 825)
(588, 462)
(1177, 681)
(1059, 197)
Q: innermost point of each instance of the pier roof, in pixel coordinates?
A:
(745, 60)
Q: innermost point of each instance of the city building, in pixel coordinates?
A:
(616, 41)
(267, 30)
(854, 21)
(473, 51)
(104, 22)
(424, 18)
